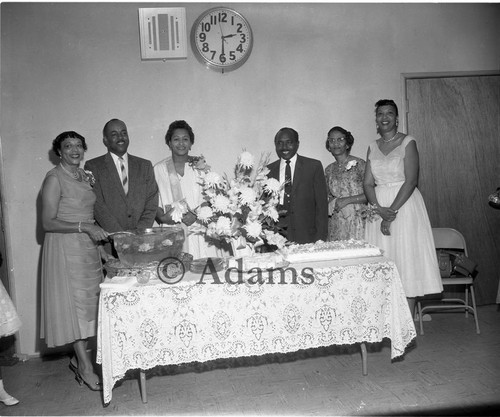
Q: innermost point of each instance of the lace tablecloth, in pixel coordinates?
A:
(143, 326)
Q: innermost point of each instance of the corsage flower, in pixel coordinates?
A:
(89, 177)
(350, 164)
(199, 163)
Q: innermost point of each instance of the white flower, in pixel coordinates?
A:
(350, 164)
(275, 239)
(253, 228)
(246, 160)
(247, 195)
(255, 212)
(223, 226)
(221, 203)
(179, 209)
(272, 212)
(204, 213)
(212, 179)
(272, 186)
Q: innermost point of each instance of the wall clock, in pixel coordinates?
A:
(221, 39)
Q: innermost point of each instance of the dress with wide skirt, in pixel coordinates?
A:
(71, 269)
(9, 320)
(410, 244)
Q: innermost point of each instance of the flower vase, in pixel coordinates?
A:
(241, 248)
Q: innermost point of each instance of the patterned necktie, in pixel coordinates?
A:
(124, 176)
(288, 185)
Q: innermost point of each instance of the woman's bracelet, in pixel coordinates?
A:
(79, 227)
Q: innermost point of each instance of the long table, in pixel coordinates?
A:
(203, 317)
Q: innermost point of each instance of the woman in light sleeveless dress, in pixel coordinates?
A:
(344, 179)
(402, 229)
(178, 179)
(71, 259)
(9, 324)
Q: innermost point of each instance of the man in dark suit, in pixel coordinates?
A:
(125, 186)
(304, 202)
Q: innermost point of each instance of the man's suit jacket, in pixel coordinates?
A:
(308, 214)
(115, 211)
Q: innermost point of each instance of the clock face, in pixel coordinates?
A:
(222, 39)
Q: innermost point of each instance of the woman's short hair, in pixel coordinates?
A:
(57, 142)
(349, 139)
(386, 102)
(178, 124)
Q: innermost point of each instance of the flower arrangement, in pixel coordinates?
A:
(242, 208)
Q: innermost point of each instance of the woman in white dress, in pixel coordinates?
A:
(178, 177)
(9, 324)
(402, 228)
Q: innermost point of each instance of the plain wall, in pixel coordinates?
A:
(68, 66)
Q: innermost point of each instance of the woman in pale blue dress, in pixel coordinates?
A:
(344, 179)
(402, 228)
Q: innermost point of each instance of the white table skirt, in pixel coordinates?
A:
(145, 325)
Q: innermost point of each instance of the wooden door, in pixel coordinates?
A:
(456, 123)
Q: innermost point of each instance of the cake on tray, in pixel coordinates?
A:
(271, 260)
(326, 251)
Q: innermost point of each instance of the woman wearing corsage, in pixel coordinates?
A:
(344, 178)
(71, 258)
(180, 194)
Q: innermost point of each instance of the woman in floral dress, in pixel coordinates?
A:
(344, 179)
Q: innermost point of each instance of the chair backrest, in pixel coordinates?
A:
(445, 237)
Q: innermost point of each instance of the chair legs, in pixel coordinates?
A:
(420, 319)
(473, 297)
(458, 303)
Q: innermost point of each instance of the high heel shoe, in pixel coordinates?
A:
(10, 400)
(93, 387)
(73, 367)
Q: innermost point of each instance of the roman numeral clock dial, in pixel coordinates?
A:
(221, 39)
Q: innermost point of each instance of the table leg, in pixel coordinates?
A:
(142, 377)
(364, 359)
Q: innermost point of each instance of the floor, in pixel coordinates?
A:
(449, 371)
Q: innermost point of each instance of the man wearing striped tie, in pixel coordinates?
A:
(125, 186)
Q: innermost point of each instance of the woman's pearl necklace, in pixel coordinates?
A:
(391, 139)
(75, 174)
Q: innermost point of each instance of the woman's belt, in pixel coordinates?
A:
(390, 184)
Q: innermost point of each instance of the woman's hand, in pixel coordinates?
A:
(385, 227)
(165, 216)
(341, 202)
(189, 218)
(387, 213)
(95, 232)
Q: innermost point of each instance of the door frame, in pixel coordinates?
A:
(421, 75)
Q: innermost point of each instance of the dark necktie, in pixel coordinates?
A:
(288, 186)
